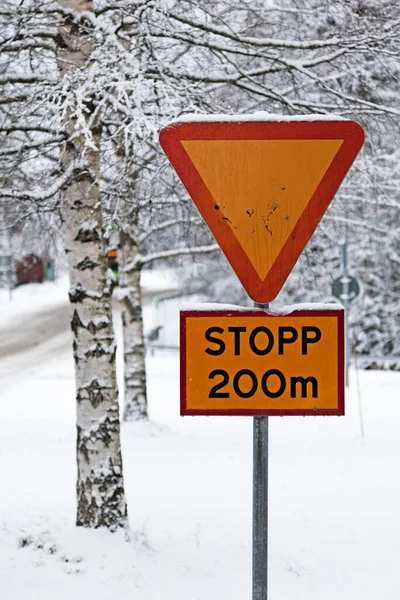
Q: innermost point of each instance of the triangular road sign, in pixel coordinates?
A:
(262, 187)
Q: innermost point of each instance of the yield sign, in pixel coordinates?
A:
(262, 187)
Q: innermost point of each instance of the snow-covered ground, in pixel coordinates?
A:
(334, 496)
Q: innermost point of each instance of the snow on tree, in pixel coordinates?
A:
(51, 116)
(100, 486)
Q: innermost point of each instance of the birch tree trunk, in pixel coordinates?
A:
(100, 487)
(135, 403)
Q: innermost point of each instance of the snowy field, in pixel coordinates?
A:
(334, 496)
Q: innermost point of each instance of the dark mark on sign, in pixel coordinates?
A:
(273, 206)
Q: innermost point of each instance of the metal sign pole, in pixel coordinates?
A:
(260, 504)
(260, 508)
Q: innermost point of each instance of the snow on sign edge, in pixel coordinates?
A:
(285, 310)
(260, 116)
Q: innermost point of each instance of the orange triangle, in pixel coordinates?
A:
(262, 187)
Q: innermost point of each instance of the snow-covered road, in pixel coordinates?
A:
(27, 334)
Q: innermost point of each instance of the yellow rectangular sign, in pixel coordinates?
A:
(259, 362)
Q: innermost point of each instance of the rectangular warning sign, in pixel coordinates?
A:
(259, 362)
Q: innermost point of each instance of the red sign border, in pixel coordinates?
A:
(266, 290)
(339, 411)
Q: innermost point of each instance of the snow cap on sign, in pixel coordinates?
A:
(259, 116)
(284, 310)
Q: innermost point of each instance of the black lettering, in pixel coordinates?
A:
(282, 340)
(252, 341)
(303, 381)
(214, 393)
(264, 385)
(254, 383)
(214, 340)
(237, 331)
(305, 339)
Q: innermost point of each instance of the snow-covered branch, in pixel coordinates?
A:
(140, 260)
(40, 194)
(154, 230)
(254, 41)
(27, 79)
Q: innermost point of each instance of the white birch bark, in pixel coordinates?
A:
(100, 487)
(135, 402)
